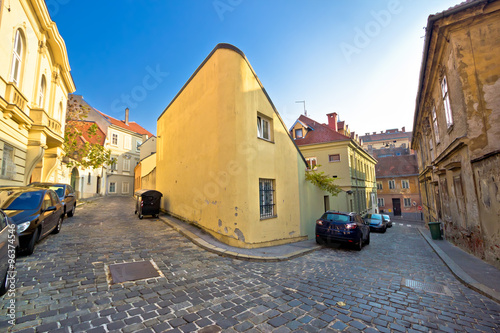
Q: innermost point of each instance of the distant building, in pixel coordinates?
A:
(35, 81)
(123, 138)
(397, 186)
(145, 171)
(226, 163)
(339, 154)
(392, 142)
(456, 126)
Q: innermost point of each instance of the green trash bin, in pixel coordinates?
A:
(435, 228)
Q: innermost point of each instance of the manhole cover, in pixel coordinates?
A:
(133, 271)
(430, 287)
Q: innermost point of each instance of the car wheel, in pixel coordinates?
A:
(141, 216)
(368, 239)
(72, 211)
(359, 245)
(384, 230)
(31, 245)
(58, 226)
(319, 240)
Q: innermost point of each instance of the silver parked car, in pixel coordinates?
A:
(388, 220)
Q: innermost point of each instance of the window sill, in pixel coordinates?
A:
(265, 140)
(269, 217)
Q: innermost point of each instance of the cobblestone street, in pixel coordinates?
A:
(63, 287)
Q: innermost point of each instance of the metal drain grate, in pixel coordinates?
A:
(133, 271)
(429, 287)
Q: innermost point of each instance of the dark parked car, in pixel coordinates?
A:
(35, 211)
(343, 228)
(8, 247)
(376, 222)
(66, 194)
(388, 220)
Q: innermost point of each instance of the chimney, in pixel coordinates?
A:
(332, 121)
(353, 135)
(374, 133)
(126, 116)
(403, 129)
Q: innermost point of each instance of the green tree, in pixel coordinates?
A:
(322, 181)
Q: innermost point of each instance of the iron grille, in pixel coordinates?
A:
(266, 193)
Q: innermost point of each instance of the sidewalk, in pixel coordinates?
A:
(209, 243)
(470, 270)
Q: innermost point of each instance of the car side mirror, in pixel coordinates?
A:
(51, 208)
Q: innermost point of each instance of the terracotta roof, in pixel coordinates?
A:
(385, 136)
(132, 125)
(83, 126)
(396, 166)
(321, 133)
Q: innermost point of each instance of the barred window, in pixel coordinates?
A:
(334, 158)
(266, 195)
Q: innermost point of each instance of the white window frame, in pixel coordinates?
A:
(435, 125)
(381, 202)
(446, 102)
(41, 92)
(405, 183)
(137, 145)
(379, 186)
(114, 163)
(333, 161)
(392, 184)
(127, 142)
(405, 200)
(314, 165)
(263, 128)
(126, 164)
(125, 185)
(112, 185)
(301, 133)
(17, 58)
(113, 134)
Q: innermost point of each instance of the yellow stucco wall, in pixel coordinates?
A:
(210, 160)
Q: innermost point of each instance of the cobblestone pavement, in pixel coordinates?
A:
(62, 287)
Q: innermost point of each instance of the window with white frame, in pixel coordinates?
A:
(263, 128)
(138, 143)
(17, 58)
(114, 163)
(446, 102)
(405, 183)
(8, 170)
(266, 198)
(112, 187)
(392, 184)
(407, 202)
(334, 158)
(125, 187)
(114, 139)
(379, 186)
(435, 125)
(298, 133)
(127, 142)
(312, 163)
(126, 165)
(381, 202)
(41, 92)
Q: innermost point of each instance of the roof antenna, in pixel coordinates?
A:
(303, 102)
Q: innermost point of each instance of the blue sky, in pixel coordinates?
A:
(360, 59)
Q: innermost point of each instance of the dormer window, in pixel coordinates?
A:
(298, 133)
(263, 128)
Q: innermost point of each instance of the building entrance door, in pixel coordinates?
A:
(396, 206)
(327, 202)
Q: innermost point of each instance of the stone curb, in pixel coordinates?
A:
(459, 273)
(227, 253)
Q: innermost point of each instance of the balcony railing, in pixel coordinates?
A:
(41, 118)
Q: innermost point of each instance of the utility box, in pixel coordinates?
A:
(147, 203)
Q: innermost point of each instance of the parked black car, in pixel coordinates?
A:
(376, 221)
(66, 194)
(35, 211)
(8, 249)
(344, 228)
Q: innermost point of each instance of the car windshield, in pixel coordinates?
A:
(335, 218)
(20, 200)
(376, 217)
(59, 189)
(386, 217)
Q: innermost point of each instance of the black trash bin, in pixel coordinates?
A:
(148, 203)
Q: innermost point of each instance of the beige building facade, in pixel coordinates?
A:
(35, 81)
(457, 126)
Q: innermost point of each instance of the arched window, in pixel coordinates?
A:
(17, 58)
(41, 93)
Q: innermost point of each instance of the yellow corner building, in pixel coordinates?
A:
(35, 81)
(226, 162)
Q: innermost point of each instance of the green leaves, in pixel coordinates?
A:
(322, 181)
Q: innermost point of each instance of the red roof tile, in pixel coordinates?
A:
(396, 166)
(132, 125)
(321, 133)
(83, 126)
